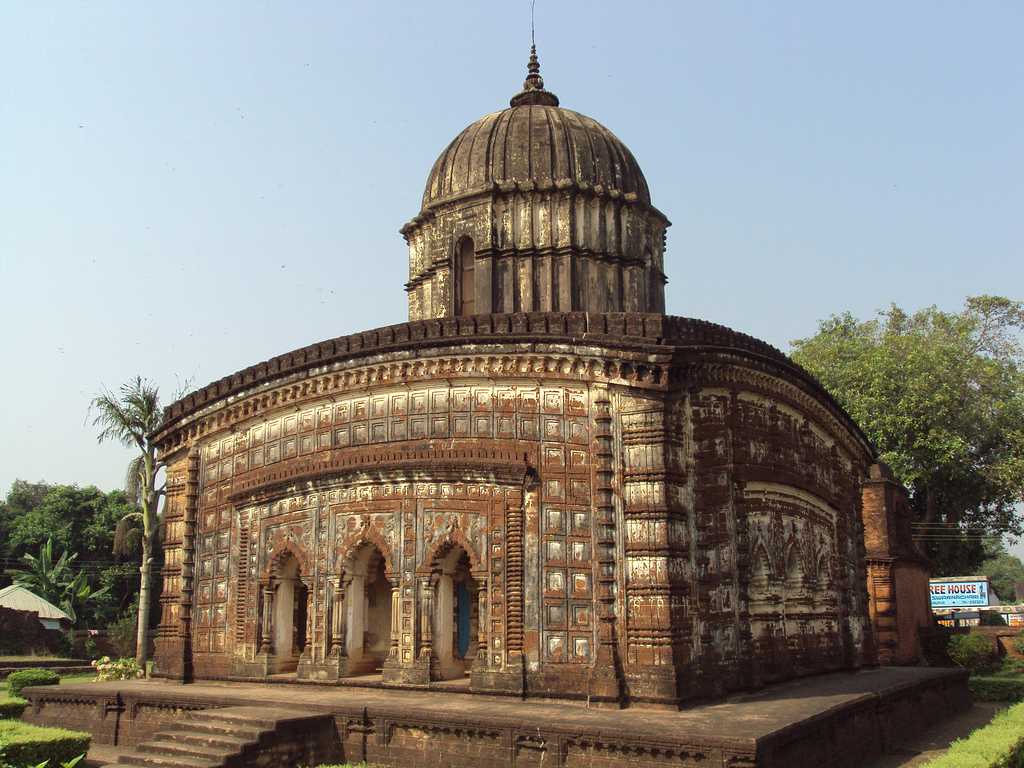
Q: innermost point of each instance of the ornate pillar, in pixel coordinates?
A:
(396, 619)
(307, 648)
(480, 662)
(266, 643)
(427, 618)
(338, 620)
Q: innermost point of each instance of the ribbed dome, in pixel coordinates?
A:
(539, 144)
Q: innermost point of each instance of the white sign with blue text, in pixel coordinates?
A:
(959, 594)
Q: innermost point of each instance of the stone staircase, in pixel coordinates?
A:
(235, 737)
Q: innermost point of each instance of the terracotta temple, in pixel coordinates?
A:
(540, 484)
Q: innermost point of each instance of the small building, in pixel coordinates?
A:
(18, 598)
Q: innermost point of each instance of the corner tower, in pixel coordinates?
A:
(536, 208)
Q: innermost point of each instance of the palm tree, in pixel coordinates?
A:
(57, 582)
(130, 418)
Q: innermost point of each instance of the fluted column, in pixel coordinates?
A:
(266, 644)
(426, 619)
(481, 620)
(338, 621)
(396, 624)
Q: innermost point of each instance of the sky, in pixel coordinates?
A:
(189, 188)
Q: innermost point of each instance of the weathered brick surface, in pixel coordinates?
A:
(541, 481)
(897, 572)
(834, 720)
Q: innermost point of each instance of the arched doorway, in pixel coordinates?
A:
(290, 607)
(367, 611)
(456, 620)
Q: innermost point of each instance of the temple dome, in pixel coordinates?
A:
(535, 209)
(535, 144)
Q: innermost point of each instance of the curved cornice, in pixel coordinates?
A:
(623, 348)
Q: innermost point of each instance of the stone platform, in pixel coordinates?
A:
(843, 719)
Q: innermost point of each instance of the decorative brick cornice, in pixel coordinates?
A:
(266, 483)
(617, 348)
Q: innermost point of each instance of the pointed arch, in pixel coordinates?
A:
(452, 538)
(349, 548)
(284, 546)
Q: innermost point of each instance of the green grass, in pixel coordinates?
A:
(84, 677)
(1000, 744)
(35, 658)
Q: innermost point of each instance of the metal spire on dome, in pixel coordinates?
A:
(533, 88)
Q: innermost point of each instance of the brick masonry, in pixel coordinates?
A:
(835, 720)
(541, 482)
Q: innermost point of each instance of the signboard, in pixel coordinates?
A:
(958, 594)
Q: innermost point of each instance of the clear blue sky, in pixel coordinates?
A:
(189, 188)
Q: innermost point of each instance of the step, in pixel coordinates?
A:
(175, 747)
(145, 760)
(264, 717)
(232, 741)
(217, 728)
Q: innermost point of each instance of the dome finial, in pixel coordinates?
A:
(533, 88)
(534, 82)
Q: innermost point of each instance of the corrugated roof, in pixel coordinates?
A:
(21, 599)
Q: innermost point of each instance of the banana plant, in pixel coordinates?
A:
(57, 581)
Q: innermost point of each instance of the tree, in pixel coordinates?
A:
(130, 418)
(1004, 572)
(57, 581)
(941, 395)
(22, 497)
(79, 519)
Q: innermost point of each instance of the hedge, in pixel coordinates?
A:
(24, 678)
(1000, 744)
(24, 744)
(988, 688)
(11, 708)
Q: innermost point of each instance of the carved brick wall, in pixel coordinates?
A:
(639, 530)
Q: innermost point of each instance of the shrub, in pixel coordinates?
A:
(24, 744)
(89, 648)
(989, 688)
(117, 669)
(1000, 744)
(121, 634)
(1018, 643)
(992, 619)
(24, 678)
(11, 708)
(974, 652)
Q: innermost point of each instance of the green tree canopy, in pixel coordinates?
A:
(57, 580)
(1004, 571)
(79, 520)
(941, 395)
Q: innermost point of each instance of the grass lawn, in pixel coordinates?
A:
(34, 658)
(85, 677)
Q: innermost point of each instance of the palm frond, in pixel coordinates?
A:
(135, 478)
(129, 416)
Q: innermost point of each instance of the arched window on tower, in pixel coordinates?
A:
(465, 267)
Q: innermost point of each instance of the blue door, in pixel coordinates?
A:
(463, 606)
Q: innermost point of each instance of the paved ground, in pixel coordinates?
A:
(936, 740)
(742, 718)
